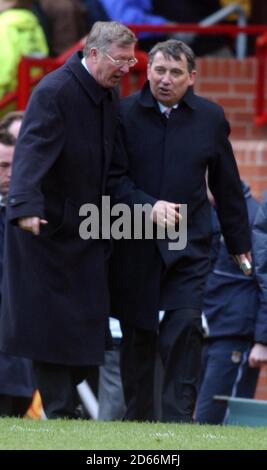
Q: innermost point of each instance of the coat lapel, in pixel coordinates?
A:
(110, 123)
(105, 99)
(95, 91)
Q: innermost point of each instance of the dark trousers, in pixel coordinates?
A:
(138, 352)
(57, 386)
(224, 371)
(179, 341)
(14, 406)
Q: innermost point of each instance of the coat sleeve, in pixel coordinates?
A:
(120, 186)
(225, 185)
(38, 147)
(259, 239)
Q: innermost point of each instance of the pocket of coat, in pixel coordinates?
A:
(69, 224)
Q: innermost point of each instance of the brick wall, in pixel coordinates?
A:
(251, 156)
(232, 83)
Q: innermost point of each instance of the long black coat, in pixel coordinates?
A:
(16, 374)
(55, 296)
(168, 159)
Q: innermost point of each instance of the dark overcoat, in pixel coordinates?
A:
(55, 296)
(168, 159)
(16, 373)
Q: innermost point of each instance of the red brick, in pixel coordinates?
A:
(231, 102)
(239, 131)
(226, 68)
(213, 87)
(261, 392)
(202, 67)
(239, 87)
(253, 170)
(214, 67)
(242, 116)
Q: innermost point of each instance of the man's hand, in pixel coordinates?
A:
(245, 262)
(165, 214)
(258, 355)
(31, 224)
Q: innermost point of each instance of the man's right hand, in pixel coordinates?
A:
(31, 224)
(258, 355)
(165, 214)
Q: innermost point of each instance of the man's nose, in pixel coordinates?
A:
(166, 78)
(125, 68)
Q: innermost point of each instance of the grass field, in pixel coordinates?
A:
(24, 434)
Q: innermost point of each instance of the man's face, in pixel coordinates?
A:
(6, 157)
(169, 78)
(105, 72)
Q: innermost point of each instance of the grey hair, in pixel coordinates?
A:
(174, 48)
(104, 33)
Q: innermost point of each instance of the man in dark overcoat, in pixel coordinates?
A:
(55, 295)
(168, 159)
(16, 374)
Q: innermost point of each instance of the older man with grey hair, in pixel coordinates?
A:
(55, 295)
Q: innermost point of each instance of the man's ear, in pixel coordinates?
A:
(93, 53)
(192, 77)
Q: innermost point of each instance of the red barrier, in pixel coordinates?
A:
(138, 73)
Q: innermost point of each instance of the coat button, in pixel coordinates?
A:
(12, 200)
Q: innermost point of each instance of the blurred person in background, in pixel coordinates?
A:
(158, 12)
(16, 373)
(128, 12)
(11, 122)
(65, 22)
(234, 329)
(110, 391)
(258, 354)
(20, 34)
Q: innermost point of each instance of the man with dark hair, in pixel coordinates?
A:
(11, 122)
(16, 380)
(231, 307)
(258, 354)
(172, 137)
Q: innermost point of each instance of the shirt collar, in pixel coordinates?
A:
(163, 108)
(83, 61)
(147, 99)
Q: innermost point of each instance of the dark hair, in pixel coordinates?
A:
(9, 118)
(173, 48)
(6, 138)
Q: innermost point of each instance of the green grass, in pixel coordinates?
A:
(23, 434)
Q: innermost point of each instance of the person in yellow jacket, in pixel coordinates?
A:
(20, 34)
